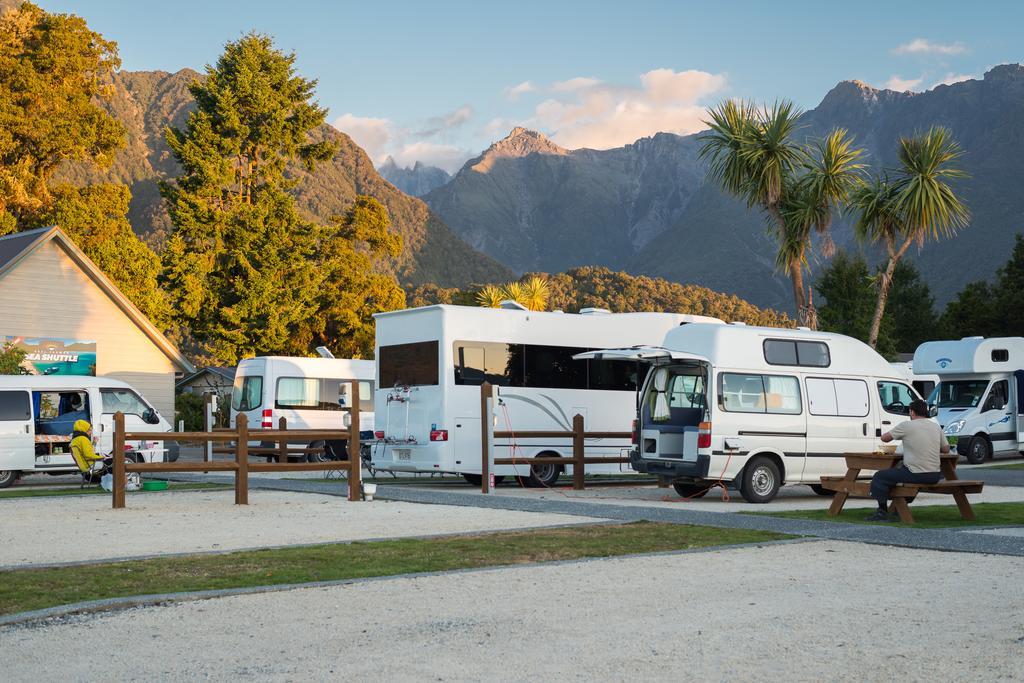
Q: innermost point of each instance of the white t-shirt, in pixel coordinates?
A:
(922, 444)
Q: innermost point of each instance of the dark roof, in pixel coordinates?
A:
(13, 247)
(225, 373)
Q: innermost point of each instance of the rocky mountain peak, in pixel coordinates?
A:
(520, 142)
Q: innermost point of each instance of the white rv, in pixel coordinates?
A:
(308, 392)
(759, 407)
(980, 395)
(432, 360)
(37, 416)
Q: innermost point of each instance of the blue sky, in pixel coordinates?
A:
(439, 81)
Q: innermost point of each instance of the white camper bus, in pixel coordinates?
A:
(38, 413)
(759, 407)
(432, 360)
(980, 395)
(308, 392)
(924, 383)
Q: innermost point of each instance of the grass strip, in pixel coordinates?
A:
(96, 490)
(30, 589)
(1012, 466)
(925, 516)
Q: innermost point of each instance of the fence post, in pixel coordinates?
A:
(242, 461)
(118, 454)
(355, 460)
(282, 445)
(577, 453)
(485, 437)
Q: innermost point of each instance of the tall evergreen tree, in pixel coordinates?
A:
(910, 314)
(846, 287)
(972, 313)
(249, 274)
(1010, 290)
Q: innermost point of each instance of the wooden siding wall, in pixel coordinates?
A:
(48, 295)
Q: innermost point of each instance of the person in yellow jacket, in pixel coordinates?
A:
(82, 451)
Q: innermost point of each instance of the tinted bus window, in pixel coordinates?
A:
(553, 367)
(411, 365)
(14, 405)
(494, 362)
(615, 375)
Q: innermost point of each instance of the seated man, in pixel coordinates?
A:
(82, 451)
(923, 443)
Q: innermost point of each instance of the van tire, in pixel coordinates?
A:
(331, 449)
(691, 491)
(760, 481)
(978, 450)
(8, 477)
(821, 490)
(545, 477)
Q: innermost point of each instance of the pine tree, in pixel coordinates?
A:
(249, 274)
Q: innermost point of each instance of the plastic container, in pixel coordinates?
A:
(158, 485)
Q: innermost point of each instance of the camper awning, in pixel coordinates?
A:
(646, 354)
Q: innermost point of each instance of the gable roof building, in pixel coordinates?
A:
(49, 289)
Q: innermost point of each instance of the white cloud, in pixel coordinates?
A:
(515, 91)
(951, 78)
(578, 83)
(597, 115)
(373, 135)
(922, 46)
(440, 124)
(902, 84)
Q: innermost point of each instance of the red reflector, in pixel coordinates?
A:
(378, 435)
(268, 418)
(635, 438)
(704, 435)
(438, 434)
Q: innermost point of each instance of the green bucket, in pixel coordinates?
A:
(158, 485)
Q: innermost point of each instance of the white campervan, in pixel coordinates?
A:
(432, 360)
(980, 395)
(759, 407)
(923, 382)
(38, 412)
(309, 393)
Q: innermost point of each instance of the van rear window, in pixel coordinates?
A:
(247, 394)
(15, 406)
(411, 365)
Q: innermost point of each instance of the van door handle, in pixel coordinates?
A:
(28, 429)
(886, 422)
(864, 427)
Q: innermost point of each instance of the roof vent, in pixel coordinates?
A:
(804, 328)
(972, 339)
(510, 305)
(737, 322)
(324, 352)
(558, 310)
(594, 311)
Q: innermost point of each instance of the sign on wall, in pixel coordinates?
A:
(51, 356)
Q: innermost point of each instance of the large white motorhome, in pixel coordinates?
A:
(309, 393)
(759, 407)
(38, 413)
(980, 395)
(432, 360)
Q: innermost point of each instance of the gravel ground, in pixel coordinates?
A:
(77, 528)
(806, 612)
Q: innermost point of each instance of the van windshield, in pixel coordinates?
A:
(247, 393)
(963, 393)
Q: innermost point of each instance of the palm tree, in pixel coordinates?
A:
(916, 205)
(536, 293)
(490, 296)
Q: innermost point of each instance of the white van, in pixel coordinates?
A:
(924, 382)
(432, 360)
(980, 395)
(38, 412)
(759, 407)
(308, 392)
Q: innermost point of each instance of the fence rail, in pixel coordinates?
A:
(578, 434)
(240, 436)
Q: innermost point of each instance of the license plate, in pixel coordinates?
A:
(403, 454)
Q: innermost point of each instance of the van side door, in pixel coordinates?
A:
(998, 418)
(17, 435)
(839, 421)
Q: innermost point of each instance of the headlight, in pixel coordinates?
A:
(955, 427)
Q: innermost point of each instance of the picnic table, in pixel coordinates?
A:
(901, 494)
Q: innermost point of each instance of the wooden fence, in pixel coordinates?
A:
(238, 440)
(578, 435)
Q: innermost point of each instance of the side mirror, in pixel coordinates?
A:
(151, 417)
(933, 411)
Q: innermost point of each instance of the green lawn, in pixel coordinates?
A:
(1009, 466)
(73, 490)
(925, 516)
(30, 589)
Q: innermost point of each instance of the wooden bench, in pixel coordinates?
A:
(901, 494)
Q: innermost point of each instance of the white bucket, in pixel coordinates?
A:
(369, 490)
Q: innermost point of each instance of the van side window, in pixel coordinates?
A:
(760, 394)
(806, 354)
(15, 406)
(837, 397)
(124, 401)
(1000, 355)
(997, 395)
(895, 397)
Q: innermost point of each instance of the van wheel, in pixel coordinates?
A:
(7, 478)
(542, 475)
(760, 481)
(329, 453)
(476, 479)
(687, 490)
(821, 490)
(978, 450)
